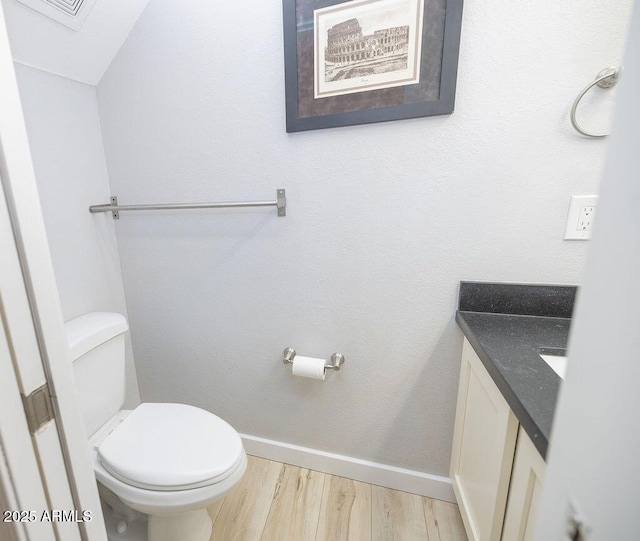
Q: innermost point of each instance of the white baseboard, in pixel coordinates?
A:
(415, 482)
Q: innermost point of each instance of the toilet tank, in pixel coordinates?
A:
(96, 344)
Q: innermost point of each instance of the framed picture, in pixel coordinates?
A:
(366, 61)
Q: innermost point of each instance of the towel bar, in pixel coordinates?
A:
(280, 203)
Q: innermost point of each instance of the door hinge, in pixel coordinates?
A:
(39, 408)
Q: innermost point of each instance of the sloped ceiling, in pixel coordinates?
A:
(43, 43)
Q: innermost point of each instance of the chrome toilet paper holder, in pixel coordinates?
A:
(337, 359)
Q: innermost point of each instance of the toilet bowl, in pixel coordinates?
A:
(174, 486)
(159, 464)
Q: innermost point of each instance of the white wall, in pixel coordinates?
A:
(41, 42)
(66, 146)
(383, 220)
(593, 458)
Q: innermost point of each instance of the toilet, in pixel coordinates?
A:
(158, 466)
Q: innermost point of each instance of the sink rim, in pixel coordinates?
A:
(554, 351)
(559, 355)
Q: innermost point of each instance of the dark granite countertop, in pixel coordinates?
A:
(508, 343)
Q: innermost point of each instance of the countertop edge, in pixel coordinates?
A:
(524, 418)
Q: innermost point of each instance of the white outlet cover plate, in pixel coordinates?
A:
(571, 231)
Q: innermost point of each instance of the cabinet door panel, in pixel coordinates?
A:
(483, 448)
(524, 493)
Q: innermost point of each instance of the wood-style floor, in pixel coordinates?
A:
(279, 502)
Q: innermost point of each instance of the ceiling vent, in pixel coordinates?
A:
(71, 13)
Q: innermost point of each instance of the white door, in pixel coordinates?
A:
(24, 491)
(47, 486)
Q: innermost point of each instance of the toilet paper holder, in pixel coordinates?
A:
(337, 359)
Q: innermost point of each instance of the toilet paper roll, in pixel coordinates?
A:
(308, 367)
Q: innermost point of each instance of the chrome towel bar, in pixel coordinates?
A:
(605, 79)
(280, 203)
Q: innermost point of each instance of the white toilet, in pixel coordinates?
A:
(158, 466)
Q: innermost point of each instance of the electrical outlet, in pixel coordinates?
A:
(585, 218)
(582, 209)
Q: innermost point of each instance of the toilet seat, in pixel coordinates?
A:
(171, 447)
(160, 502)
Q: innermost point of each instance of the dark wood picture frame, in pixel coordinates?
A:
(433, 95)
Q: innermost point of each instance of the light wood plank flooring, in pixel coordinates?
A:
(279, 502)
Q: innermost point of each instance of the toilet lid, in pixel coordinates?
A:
(171, 447)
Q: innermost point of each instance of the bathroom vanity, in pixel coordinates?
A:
(506, 401)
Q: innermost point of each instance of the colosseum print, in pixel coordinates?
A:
(367, 44)
(350, 54)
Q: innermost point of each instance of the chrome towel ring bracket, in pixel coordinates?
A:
(605, 79)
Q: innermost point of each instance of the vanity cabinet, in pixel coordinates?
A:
(484, 443)
(496, 495)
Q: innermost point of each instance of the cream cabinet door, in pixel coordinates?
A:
(524, 493)
(483, 447)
